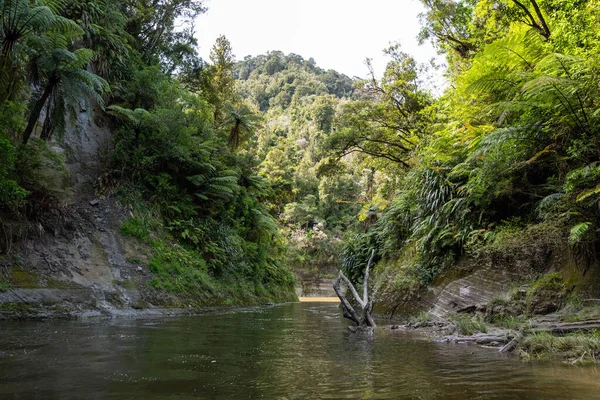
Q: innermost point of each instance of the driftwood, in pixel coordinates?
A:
(478, 338)
(510, 346)
(567, 327)
(364, 319)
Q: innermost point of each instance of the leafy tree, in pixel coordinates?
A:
(388, 121)
(447, 22)
(153, 25)
(221, 85)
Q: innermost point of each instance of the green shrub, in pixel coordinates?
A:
(508, 321)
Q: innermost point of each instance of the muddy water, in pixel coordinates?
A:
(294, 351)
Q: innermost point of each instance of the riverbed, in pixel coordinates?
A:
(291, 351)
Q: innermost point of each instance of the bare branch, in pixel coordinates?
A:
(365, 320)
(352, 289)
(366, 280)
(347, 307)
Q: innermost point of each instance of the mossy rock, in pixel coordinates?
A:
(21, 278)
(547, 294)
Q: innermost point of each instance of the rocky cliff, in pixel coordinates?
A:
(72, 260)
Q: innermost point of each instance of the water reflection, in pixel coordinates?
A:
(295, 351)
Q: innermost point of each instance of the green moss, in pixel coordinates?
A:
(18, 310)
(139, 305)
(22, 278)
(549, 282)
(129, 284)
(53, 283)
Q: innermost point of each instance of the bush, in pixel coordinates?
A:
(421, 317)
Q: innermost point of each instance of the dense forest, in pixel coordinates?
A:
(238, 171)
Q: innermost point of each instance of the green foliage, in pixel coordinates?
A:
(134, 228)
(511, 322)
(184, 272)
(237, 160)
(278, 80)
(177, 153)
(11, 194)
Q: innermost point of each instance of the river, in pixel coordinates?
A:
(291, 351)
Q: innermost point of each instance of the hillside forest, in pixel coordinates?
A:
(240, 172)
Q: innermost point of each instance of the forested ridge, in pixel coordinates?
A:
(237, 171)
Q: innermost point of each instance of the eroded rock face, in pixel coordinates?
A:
(482, 285)
(315, 287)
(471, 291)
(86, 145)
(84, 264)
(76, 259)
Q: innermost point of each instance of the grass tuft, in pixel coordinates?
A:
(469, 325)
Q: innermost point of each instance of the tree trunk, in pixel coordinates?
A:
(364, 320)
(47, 126)
(36, 110)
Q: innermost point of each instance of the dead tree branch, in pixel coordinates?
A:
(365, 319)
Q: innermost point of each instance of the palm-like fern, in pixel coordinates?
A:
(62, 74)
(22, 22)
(221, 184)
(242, 122)
(19, 19)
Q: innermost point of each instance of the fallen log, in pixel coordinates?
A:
(567, 327)
(480, 339)
(510, 346)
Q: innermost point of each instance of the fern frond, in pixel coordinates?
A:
(578, 232)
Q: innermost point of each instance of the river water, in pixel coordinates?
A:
(292, 351)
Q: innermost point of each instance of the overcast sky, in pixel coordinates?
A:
(338, 34)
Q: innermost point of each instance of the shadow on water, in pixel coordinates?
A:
(292, 351)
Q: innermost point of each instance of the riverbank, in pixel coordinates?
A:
(36, 311)
(558, 336)
(85, 263)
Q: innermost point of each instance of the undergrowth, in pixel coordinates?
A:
(189, 273)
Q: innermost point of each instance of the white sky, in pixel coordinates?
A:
(338, 34)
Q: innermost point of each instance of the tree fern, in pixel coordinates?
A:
(63, 71)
